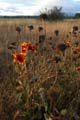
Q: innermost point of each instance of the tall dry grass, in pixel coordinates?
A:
(62, 89)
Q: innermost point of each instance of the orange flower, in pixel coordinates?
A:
(31, 47)
(23, 48)
(24, 45)
(28, 46)
(23, 51)
(19, 58)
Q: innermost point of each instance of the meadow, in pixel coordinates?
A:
(39, 69)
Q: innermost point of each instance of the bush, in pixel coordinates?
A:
(54, 13)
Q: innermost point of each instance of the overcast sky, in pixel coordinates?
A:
(33, 7)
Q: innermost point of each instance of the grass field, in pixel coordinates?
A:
(46, 85)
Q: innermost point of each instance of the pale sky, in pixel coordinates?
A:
(33, 7)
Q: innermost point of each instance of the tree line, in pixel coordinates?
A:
(53, 14)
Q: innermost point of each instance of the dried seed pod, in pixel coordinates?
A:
(18, 29)
(56, 32)
(30, 27)
(40, 28)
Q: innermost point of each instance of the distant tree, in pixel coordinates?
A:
(77, 15)
(43, 16)
(54, 13)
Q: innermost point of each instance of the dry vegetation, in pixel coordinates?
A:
(47, 86)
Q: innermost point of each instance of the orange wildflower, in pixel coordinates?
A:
(24, 45)
(19, 58)
(31, 47)
(23, 51)
(23, 48)
(28, 46)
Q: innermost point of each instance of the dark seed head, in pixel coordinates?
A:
(30, 27)
(11, 47)
(18, 29)
(56, 32)
(13, 43)
(40, 28)
(75, 28)
(62, 47)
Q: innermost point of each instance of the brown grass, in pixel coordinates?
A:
(61, 89)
